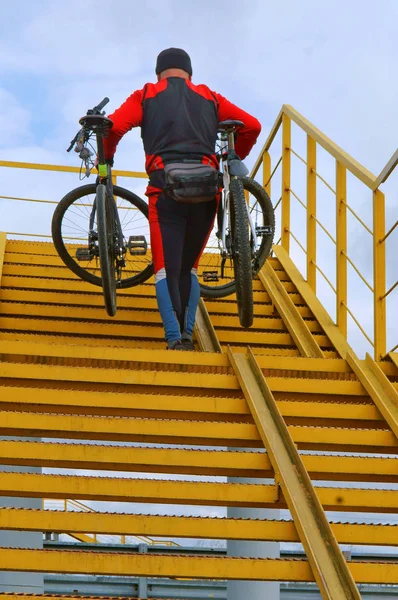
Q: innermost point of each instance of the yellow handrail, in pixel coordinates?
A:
(344, 164)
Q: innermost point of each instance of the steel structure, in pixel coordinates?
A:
(102, 395)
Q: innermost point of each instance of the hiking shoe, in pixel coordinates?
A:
(187, 344)
(175, 345)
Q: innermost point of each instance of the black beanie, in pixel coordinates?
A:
(173, 58)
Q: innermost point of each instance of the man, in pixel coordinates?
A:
(178, 122)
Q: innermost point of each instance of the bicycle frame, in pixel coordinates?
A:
(227, 143)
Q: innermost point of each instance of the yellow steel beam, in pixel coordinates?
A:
(185, 527)
(295, 324)
(120, 376)
(164, 406)
(132, 429)
(175, 431)
(138, 355)
(154, 377)
(286, 167)
(114, 489)
(60, 297)
(325, 557)
(196, 567)
(379, 388)
(311, 212)
(194, 462)
(3, 239)
(379, 275)
(134, 316)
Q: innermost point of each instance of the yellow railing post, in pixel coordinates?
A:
(341, 248)
(311, 212)
(286, 158)
(267, 172)
(379, 275)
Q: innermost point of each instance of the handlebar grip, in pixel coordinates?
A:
(101, 105)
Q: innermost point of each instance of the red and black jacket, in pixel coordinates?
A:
(179, 119)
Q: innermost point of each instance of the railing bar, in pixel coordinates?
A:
(358, 324)
(57, 202)
(325, 182)
(298, 156)
(358, 218)
(273, 172)
(28, 199)
(388, 233)
(278, 203)
(357, 270)
(326, 278)
(392, 350)
(324, 229)
(37, 235)
(297, 198)
(390, 290)
(297, 242)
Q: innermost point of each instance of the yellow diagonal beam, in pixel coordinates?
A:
(204, 330)
(331, 330)
(196, 567)
(379, 388)
(185, 527)
(292, 319)
(325, 557)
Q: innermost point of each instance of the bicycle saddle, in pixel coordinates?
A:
(95, 121)
(230, 125)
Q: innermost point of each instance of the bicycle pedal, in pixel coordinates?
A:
(210, 276)
(84, 254)
(264, 230)
(137, 245)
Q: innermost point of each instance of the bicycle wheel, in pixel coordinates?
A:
(241, 253)
(107, 244)
(71, 234)
(262, 215)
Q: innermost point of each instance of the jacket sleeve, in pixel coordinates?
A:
(248, 135)
(127, 116)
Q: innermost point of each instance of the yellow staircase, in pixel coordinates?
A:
(290, 384)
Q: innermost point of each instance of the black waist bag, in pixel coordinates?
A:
(191, 182)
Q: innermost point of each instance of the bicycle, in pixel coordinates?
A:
(243, 232)
(104, 216)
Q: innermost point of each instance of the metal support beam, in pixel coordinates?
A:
(186, 527)
(292, 319)
(325, 557)
(204, 330)
(201, 567)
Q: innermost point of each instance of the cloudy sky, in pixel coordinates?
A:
(334, 61)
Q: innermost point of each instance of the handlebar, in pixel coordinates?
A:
(91, 111)
(99, 107)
